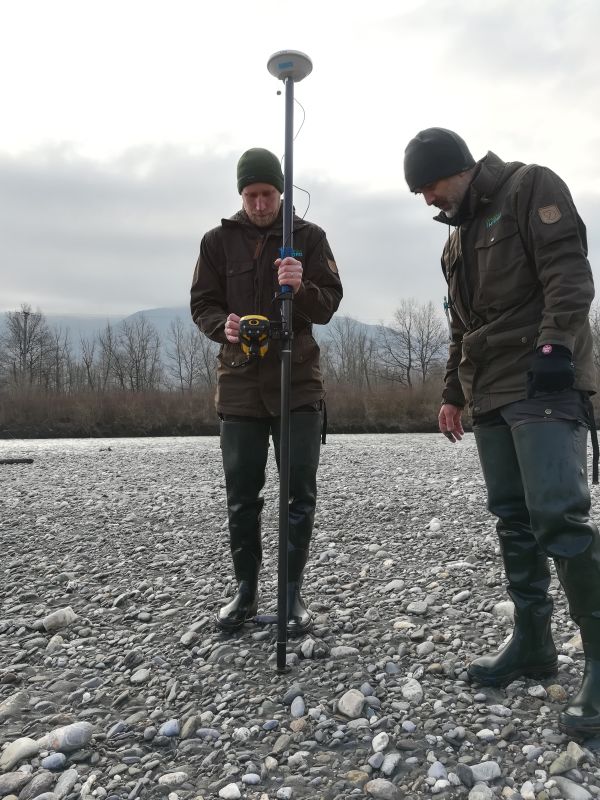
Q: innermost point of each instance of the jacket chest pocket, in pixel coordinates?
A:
(504, 274)
(241, 290)
(499, 247)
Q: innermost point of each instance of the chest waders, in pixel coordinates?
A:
(536, 478)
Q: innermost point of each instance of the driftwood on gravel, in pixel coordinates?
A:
(16, 460)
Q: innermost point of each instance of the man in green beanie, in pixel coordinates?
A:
(519, 291)
(239, 273)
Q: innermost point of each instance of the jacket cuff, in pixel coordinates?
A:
(453, 397)
(551, 338)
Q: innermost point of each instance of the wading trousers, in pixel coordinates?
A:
(535, 472)
(245, 446)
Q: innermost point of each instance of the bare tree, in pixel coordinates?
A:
(57, 361)
(136, 363)
(595, 326)
(107, 357)
(191, 356)
(25, 340)
(88, 351)
(207, 359)
(431, 339)
(348, 352)
(413, 343)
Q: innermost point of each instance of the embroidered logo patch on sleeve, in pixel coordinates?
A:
(549, 214)
(332, 265)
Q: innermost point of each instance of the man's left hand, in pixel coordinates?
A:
(552, 370)
(289, 272)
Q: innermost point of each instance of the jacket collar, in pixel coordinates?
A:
(491, 174)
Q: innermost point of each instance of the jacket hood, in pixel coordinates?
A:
(490, 174)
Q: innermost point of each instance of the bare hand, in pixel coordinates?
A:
(232, 328)
(450, 423)
(289, 272)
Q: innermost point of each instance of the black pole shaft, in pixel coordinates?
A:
(288, 167)
(286, 374)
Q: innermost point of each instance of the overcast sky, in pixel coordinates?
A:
(122, 122)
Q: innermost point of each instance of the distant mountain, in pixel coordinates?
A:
(163, 318)
(85, 326)
(89, 325)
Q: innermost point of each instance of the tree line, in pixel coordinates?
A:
(128, 380)
(132, 357)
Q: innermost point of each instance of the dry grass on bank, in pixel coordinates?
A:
(35, 414)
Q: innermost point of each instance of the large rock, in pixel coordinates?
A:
(571, 790)
(17, 751)
(61, 618)
(13, 705)
(68, 738)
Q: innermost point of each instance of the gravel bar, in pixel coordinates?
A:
(115, 683)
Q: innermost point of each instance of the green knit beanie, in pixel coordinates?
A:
(259, 166)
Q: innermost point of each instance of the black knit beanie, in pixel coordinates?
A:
(433, 154)
(259, 166)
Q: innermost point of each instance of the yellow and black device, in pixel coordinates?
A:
(254, 335)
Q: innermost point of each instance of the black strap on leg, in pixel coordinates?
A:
(324, 426)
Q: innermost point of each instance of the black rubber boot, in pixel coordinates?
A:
(530, 651)
(305, 446)
(299, 617)
(581, 718)
(244, 605)
(244, 446)
(553, 457)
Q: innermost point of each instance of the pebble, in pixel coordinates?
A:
(18, 750)
(528, 791)
(412, 691)
(231, 791)
(297, 707)
(12, 782)
(380, 742)
(381, 788)
(351, 703)
(571, 790)
(55, 761)
(61, 618)
(169, 728)
(173, 778)
(486, 771)
(481, 792)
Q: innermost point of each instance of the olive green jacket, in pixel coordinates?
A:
(235, 273)
(518, 277)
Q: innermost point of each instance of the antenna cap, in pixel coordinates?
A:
(289, 64)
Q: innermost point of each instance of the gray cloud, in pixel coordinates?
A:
(82, 237)
(548, 39)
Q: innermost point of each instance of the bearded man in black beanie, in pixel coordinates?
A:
(238, 273)
(519, 290)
